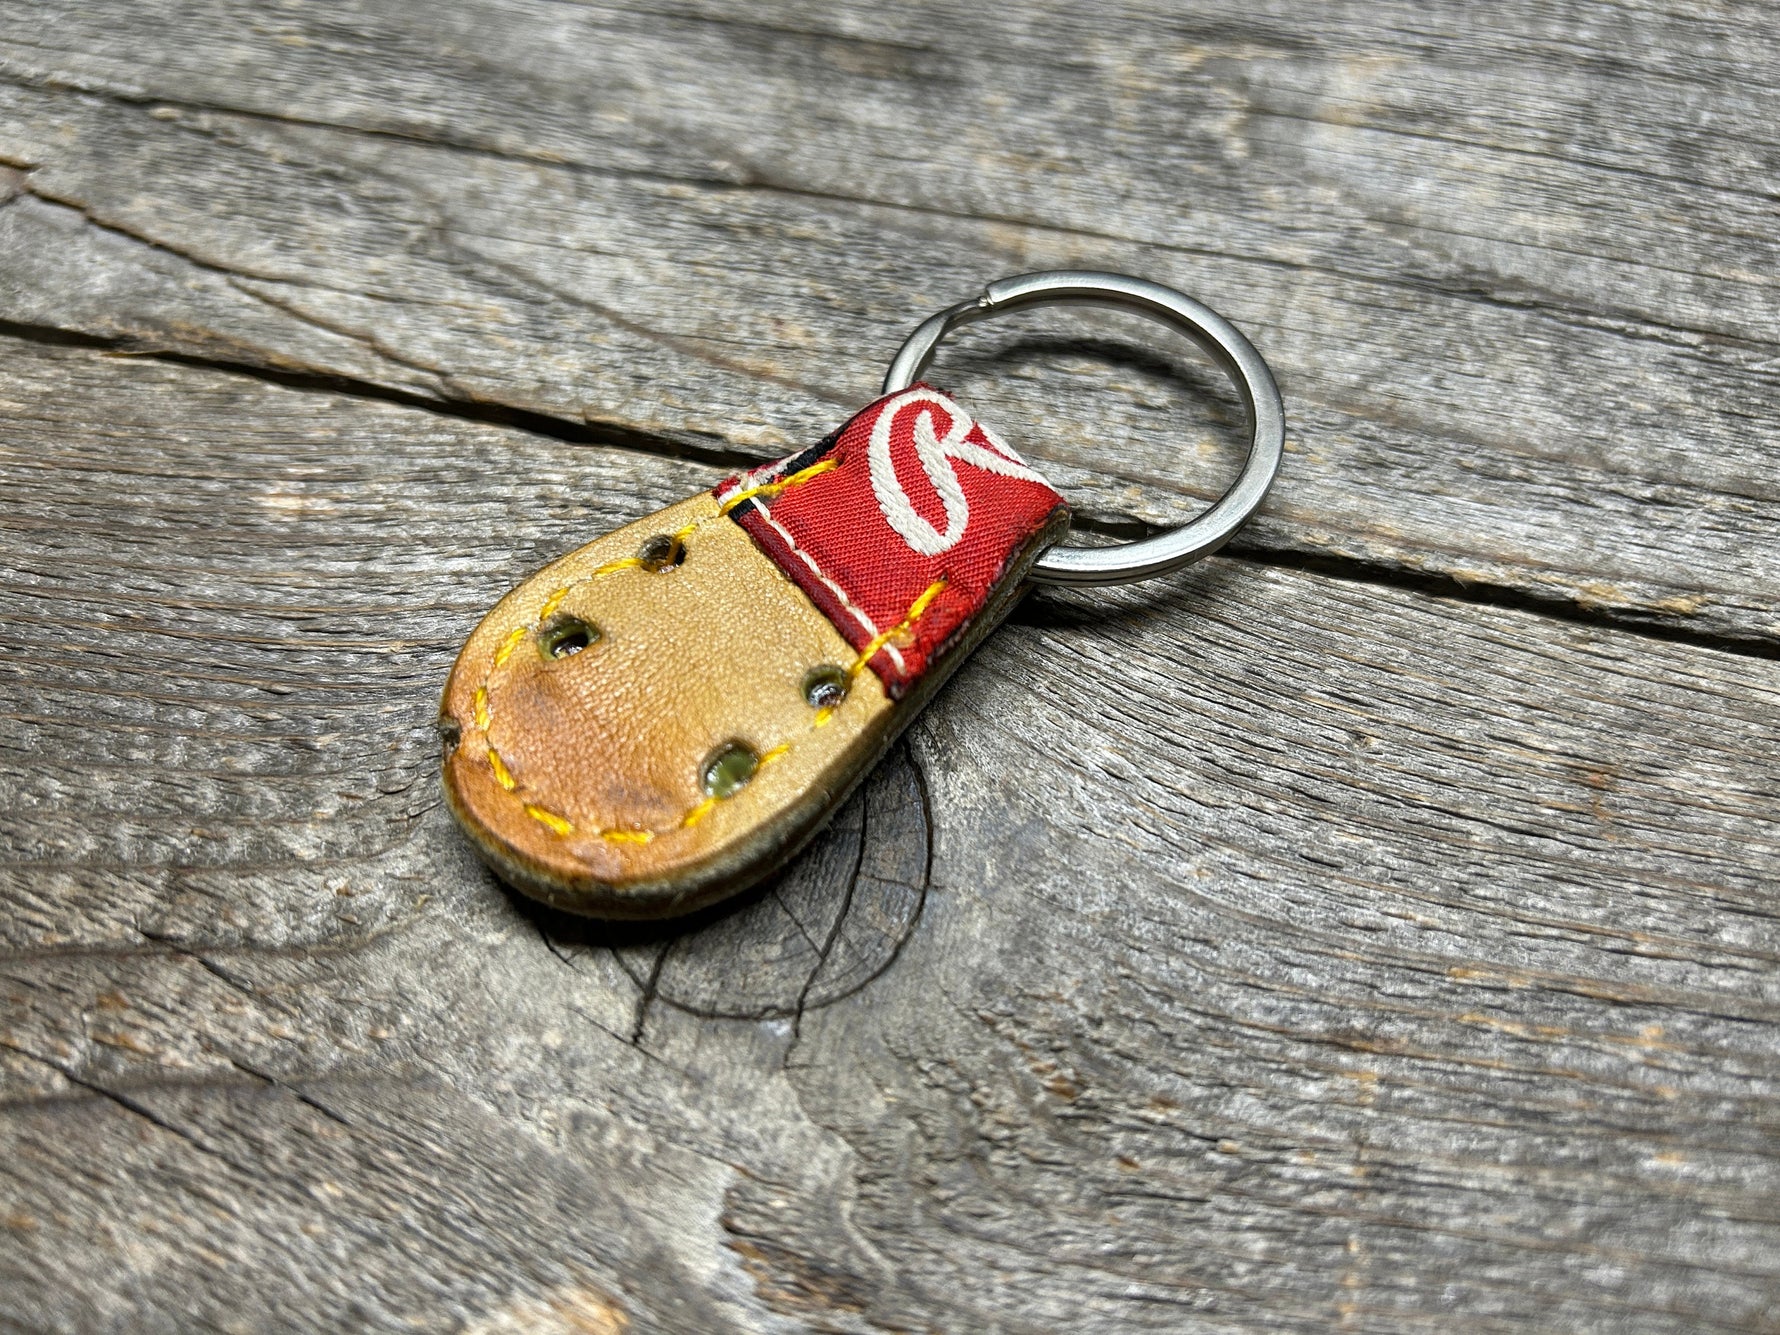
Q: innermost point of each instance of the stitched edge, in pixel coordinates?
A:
(1000, 458)
(770, 489)
(767, 491)
(871, 627)
(482, 705)
(562, 826)
(785, 468)
(909, 618)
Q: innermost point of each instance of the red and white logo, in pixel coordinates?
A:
(935, 454)
(901, 529)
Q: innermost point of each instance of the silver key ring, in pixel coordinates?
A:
(1221, 340)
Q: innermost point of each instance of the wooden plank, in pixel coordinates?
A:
(1515, 269)
(1294, 953)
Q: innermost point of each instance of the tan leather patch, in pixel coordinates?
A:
(581, 777)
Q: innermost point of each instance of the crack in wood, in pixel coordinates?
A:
(834, 931)
(647, 996)
(1123, 528)
(756, 180)
(480, 410)
(1373, 930)
(130, 1105)
(292, 1090)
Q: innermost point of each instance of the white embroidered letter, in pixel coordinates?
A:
(936, 453)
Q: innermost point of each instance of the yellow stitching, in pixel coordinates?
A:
(871, 627)
(502, 775)
(699, 812)
(555, 823)
(877, 642)
(553, 602)
(627, 836)
(518, 633)
(771, 489)
(509, 644)
(916, 610)
(481, 706)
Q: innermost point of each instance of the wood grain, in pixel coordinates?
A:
(1374, 929)
(1511, 265)
(1296, 951)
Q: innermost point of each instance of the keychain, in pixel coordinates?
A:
(667, 715)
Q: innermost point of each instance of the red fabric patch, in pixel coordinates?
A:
(909, 494)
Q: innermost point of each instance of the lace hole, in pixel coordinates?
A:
(564, 636)
(825, 687)
(662, 552)
(728, 770)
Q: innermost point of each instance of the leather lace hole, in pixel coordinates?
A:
(825, 687)
(563, 636)
(728, 770)
(662, 552)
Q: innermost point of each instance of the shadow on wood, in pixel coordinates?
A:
(810, 935)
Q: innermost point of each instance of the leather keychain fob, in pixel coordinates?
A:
(667, 715)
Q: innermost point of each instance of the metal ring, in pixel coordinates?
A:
(1220, 339)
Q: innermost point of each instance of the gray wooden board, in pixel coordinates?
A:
(1331, 938)
(1261, 950)
(1515, 264)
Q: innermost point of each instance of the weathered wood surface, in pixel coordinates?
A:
(1517, 269)
(1375, 930)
